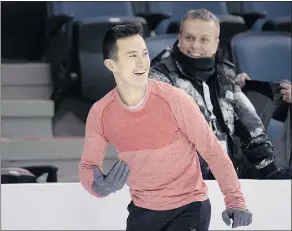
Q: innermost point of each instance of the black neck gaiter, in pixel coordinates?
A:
(196, 68)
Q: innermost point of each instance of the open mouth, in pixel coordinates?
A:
(195, 55)
(139, 73)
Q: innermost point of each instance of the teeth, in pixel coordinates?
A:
(139, 72)
(195, 54)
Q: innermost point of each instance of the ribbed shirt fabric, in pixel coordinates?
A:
(159, 141)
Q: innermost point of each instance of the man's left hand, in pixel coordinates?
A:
(240, 217)
(240, 79)
(286, 91)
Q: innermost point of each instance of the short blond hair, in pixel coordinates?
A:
(201, 14)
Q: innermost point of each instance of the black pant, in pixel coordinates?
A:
(194, 216)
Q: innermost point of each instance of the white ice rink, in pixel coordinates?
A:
(67, 206)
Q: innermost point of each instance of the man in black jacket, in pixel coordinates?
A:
(194, 65)
(273, 103)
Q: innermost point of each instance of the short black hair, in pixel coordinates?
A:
(109, 43)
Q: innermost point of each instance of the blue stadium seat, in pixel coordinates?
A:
(178, 9)
(229, 24)
(158, 43)
(95, 79)
(275, 132)
(83, 10)
(114, 11)
(87, 76)
(272, 9)
(264, 56)
(274, 13)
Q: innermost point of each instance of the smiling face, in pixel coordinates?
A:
(198, 38)
(132, 62)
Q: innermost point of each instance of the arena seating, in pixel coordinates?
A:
(275, 16)
(51, 54)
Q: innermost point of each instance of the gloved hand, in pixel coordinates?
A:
(240, 217)
(113, 181)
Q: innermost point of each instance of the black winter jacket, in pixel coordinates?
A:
(239, 117)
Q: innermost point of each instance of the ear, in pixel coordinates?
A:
(109, 64)
(178, 38)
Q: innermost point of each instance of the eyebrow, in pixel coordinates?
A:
(131, 52)
(205, 35)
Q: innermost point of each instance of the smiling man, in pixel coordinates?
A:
(195, 65)
(156, 129)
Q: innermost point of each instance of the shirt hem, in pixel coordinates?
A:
(173, 205)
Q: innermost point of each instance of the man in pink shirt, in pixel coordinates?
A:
(157, 130)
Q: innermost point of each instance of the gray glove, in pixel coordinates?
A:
(113, 181)
(240, 217)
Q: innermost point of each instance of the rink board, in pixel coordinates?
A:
(68, 206)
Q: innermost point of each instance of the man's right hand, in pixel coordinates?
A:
(241, 78)
(113, 181)
(286, 93)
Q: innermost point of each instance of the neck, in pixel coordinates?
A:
(131, 96)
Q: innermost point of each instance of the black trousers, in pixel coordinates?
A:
(194, 216)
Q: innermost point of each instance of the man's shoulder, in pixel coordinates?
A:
(159, 86)
(99, 106)
(227, 69)
(159, 75)
(228, 64)
(164, 61)
(162, 66)
(162, 56)
(167, 91)
(223, 63)
(222, 60)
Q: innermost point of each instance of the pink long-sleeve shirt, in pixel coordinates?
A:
(158, 140)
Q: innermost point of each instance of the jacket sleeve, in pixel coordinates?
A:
(94, 149)
(255, 143)
(157, 75)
